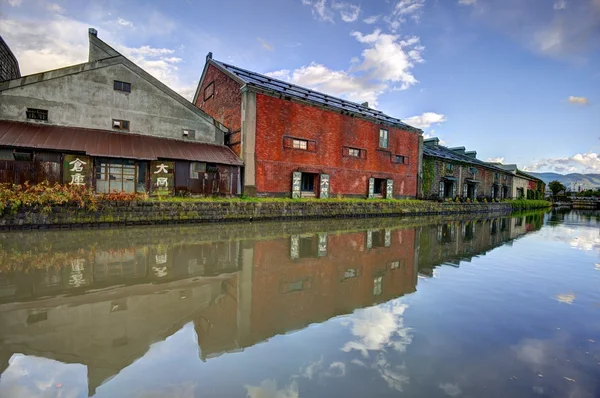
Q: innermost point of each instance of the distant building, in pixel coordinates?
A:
(302, 143)
(9, 66)
(110, 125)
(455, 172)
(524, 185)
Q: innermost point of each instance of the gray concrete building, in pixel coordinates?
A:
(105, 114)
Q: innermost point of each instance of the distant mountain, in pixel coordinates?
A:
(571, 181)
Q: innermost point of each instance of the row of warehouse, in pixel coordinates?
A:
(110, 125)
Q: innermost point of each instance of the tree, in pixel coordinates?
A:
(556, 187)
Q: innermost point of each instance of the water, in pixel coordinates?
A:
(504, 307)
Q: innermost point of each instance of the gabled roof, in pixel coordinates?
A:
(288, 90)
(442, 152)
(102, 55)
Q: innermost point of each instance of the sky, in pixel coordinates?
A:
(516, 80)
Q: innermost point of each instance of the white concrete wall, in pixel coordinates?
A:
(87, 99)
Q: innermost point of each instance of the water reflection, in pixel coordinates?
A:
(96, 301)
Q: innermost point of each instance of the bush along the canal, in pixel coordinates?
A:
(44, 196)
(525, 204)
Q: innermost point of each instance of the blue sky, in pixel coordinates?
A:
(517, 80)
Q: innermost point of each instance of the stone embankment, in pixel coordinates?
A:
(157, 213)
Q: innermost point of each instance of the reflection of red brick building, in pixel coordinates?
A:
(299, 141)
(289, 294)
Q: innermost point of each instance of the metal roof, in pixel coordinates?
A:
(443, 152)
(263, 82)
(111, 144)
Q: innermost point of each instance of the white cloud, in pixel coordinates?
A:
(386, 64)
(320, 10)
(451, 389)
(467, 2)
(567, 32)
(15, 3)
(264, 44)
(124, 22)
(60, 41)
(53, 7)
(268, 389)
(348, 12)
(378, 328)
(425, 120)
(371, 20)
(578, 100)
(325, 11)
(338, 83)
(578, 163)
(389, 58)
(560, 5)
(495, 160)
(566, 298)
(402, 10)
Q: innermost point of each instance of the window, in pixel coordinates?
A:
(378, 286)
(211, 168)
(120, 124)
(354, 152)
(449, 167)
(122, 86)
(383, 138)
(187, 133)
(37, 114)
(473, 170)
(350, 273)
(497, 175)
(308, 247)
(401, 159)
(395, 265)
(120, 175)
(300, 144)
(209, 91)
(196, 168)
(37, 317)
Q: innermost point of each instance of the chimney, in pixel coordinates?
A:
(431, 142)
(458, 149)
(365, 104)
(93, 32)
(208, 56)
(471, 154)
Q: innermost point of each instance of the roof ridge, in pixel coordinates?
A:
(270, 80)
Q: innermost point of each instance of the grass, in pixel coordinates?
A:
(526, 204)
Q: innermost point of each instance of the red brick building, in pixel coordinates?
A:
(303, 143)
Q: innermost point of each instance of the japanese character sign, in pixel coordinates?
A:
(76, 170)
(162, 177)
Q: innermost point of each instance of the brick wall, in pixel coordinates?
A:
(224, 105)
(331, 131)
(9, 66)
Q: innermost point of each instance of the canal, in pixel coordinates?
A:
(416, 307)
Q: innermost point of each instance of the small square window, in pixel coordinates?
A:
(37, 114)
(196, 168)
(122, 86)
(300, 144)
(383, 138)
(187, 133)
(449, 167)
(354, 152)
(120, 124)
(209, 91)
(401, 159)
(473, 170)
